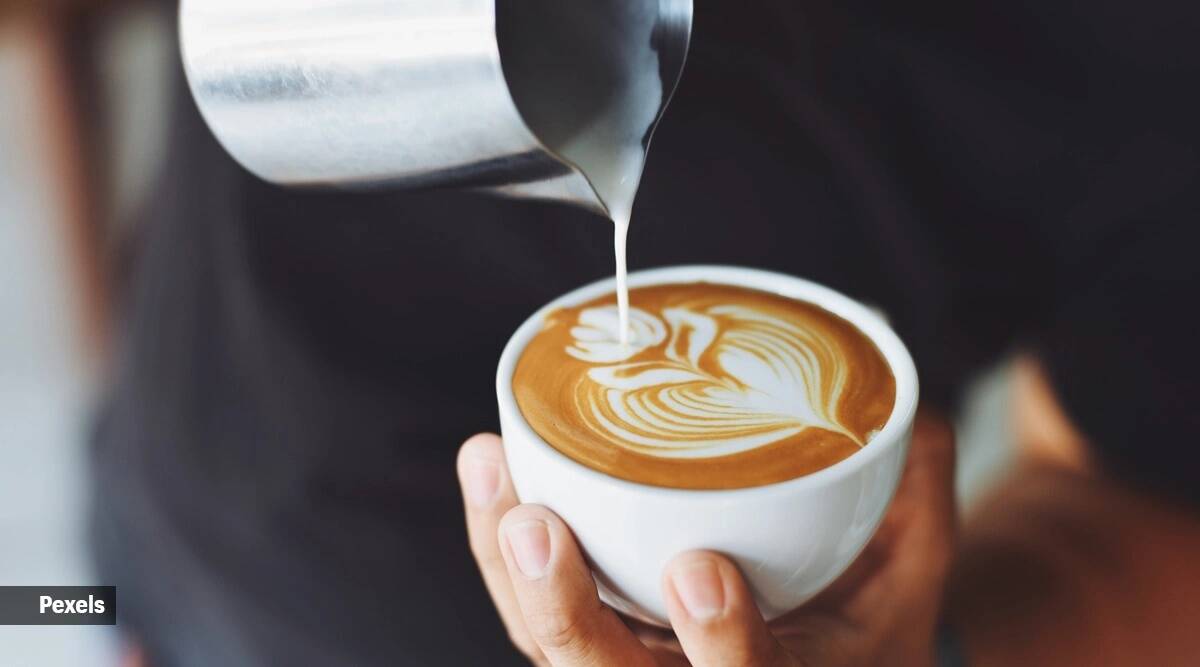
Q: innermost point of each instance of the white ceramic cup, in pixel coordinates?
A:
(790, 539)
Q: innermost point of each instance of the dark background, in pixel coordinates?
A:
(282, 374)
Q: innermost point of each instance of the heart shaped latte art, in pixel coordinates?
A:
(729, 379)
(717, 387)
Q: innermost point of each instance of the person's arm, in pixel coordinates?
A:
(1062, 565)
(44, 33)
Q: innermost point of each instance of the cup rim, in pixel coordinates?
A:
(894, 431)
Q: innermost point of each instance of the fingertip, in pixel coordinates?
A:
(688, 558)
(481, 473)
(528, 533)
(704, 586)
(713, 612)
(528, 512)
(481, 446)
(557, 594)
(696, 584)
(727, 569)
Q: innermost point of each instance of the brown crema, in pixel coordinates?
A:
(720, 387)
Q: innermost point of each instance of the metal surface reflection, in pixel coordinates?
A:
(409, 93)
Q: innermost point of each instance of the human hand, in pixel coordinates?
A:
(883, 610)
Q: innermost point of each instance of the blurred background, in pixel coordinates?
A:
(59, 253)
(51, 303)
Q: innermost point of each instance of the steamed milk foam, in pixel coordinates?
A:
(719, 387)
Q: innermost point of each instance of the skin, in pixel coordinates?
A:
(1061, 564)
(1058, 565)
(43, 33)
(882, 611)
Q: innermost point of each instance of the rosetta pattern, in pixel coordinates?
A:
(705, 381)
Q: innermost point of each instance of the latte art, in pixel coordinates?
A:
(711, 376)
(732, 379)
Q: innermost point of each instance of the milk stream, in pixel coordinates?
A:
(585, 76)
(614, 167)
(620, 239)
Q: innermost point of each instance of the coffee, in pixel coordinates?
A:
(718, 387)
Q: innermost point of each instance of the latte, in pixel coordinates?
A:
(717, 387)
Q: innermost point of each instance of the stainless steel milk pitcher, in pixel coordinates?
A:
(530, 98)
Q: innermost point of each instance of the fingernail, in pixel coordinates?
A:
(481, 479)
(530, 544)
(699, 587)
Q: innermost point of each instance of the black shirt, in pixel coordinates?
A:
(275, 461)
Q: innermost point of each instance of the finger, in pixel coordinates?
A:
(926, 493)
(487, 494)
(910, 554)
(714, 614)
(557, 594)
(655, 638)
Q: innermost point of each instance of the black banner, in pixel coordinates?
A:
(58, 605)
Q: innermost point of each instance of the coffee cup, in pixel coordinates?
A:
(790, 539)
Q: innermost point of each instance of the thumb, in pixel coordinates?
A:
(557, 594)
(714, 615)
